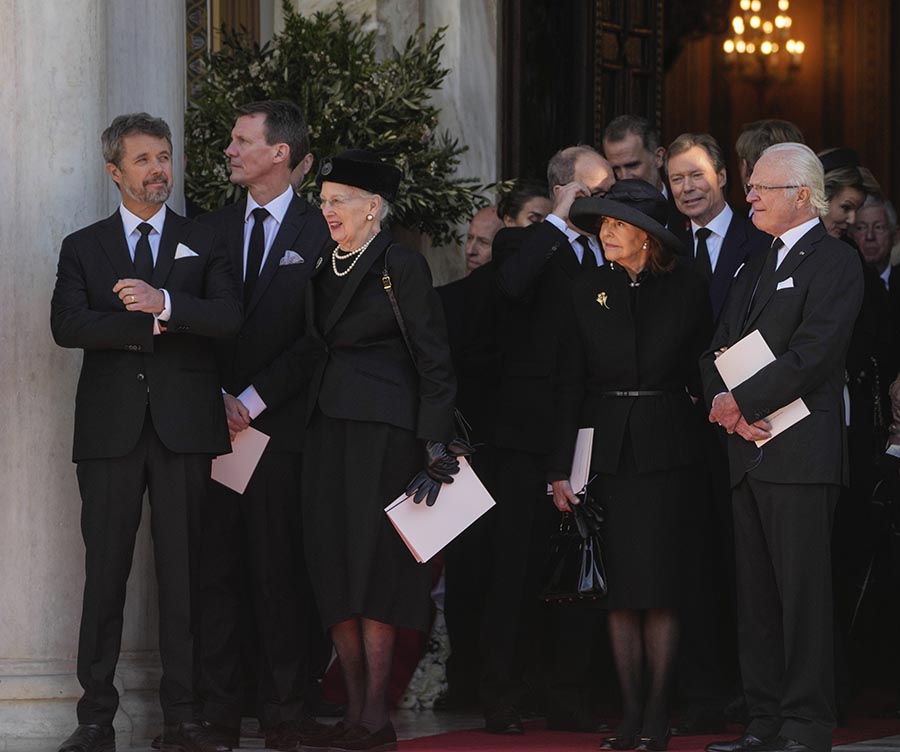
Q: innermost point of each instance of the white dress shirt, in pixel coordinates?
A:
(573, 235)
(130, 222)
(790, 238)
(717, 227)
(277, 208)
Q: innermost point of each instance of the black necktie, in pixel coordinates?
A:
(255, 250)
(766, 274)
(588, 259)
(703, 264)
(143, 256)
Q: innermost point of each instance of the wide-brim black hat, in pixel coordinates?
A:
(633, 201)
(361, 169)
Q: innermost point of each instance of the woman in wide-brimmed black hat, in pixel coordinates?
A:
(629, 353)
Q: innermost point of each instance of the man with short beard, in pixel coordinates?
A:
(143, 293)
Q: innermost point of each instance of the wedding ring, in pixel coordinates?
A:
(132, 298)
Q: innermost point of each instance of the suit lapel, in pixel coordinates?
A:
(568, 261)
(165, 256)
(234, 235)
(291, 225)
(112, 240)
(353, 280)
(802, 250)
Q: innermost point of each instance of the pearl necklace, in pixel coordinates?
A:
(342, 255)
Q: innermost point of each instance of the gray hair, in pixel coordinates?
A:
(803, 166)
(561, 167)
(126, 125)
(889, 212)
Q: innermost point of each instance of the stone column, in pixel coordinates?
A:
(69, 67)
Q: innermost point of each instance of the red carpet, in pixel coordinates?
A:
(538, 739)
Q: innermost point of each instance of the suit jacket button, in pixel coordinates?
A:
(140, 377)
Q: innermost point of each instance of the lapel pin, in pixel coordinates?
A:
(802, 253)
(601, 299)
(319, 262)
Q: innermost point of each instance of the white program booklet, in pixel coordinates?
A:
(235, 470)
(741, 361)
(581, 461)
(426, 530)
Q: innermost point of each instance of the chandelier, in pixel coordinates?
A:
(763, 49)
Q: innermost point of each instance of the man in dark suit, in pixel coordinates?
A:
(719, 241)
(803, 297)
(633, 148)
(274, 239)
(533, 280)
(142, 292)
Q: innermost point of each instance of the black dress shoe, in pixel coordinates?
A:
(290, 735)
(620, 741)
(90, 737)
(783, 744)
(746, 742)
(199, 736)
(654, 743)
(699, 726)
(503, 720)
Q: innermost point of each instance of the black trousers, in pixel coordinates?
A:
(252, 545)
(708, 655)
(112, 493)
(782, 538)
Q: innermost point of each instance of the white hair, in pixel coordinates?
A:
(801, 164)
(889, 212)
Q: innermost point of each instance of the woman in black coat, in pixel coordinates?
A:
(374, 412)
(629, 353)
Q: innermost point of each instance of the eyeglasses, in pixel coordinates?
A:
(879, 228)
(335, 203)
(760, 189)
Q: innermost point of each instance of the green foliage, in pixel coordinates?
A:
(326, 63)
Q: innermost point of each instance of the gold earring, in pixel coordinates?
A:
(369, 217)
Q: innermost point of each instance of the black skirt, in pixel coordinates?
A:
(358, 564)
(649, 534)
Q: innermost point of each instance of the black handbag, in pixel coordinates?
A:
(574, 571)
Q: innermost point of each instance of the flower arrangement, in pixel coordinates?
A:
(327, 64)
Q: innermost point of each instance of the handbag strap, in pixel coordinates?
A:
(389, 289)
(462, 425)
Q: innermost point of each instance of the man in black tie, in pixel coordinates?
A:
(803, 297)
(721, 240)
(142, 293)
(632, 146)
(274, 239)
(533, 280)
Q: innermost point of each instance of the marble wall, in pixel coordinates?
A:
(68, 69)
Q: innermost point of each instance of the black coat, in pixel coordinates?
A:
(533, 280)
(363, 370)
(125, 366)
(267, 352)
(807, 326)
(622, 338)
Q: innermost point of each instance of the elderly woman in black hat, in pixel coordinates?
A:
(381, 409)
(631, 343)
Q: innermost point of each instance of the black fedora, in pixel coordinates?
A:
(633, 201)
(361, 169)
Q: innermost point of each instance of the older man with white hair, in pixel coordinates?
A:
(803, 298)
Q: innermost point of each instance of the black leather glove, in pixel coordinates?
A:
(440, 467)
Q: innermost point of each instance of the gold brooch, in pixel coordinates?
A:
(601, 299)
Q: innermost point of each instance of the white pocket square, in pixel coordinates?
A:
(182, 251)
(289, 258)
(785, 284)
